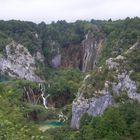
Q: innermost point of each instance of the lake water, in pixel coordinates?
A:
(55, 123)
(47, 125)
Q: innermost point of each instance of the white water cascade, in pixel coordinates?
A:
(45, 102)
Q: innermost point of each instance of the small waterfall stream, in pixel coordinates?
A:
(45, 102)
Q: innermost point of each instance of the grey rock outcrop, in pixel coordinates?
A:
(102, 99)
(39, 57)
(112, 63)
(124, 82)
(56, 61)
(19, 63)
(127, 85)
(83, 55)
(93, 107)
(79, 108)
(92, 47)
(98, 105)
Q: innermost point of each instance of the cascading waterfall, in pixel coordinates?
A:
(45, 102)
(33, 99)
(61, 116)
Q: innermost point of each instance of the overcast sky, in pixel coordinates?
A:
(69, 10)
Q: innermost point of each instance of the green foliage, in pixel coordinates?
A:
(65, 33)
(85, 120)
(96, 82)
(133, 60)
(46, 51)
(64, 83)
(116, 124)
(13, 123)
(121, 98)
(4, 78)
(121, 35)
(21, 32)
(4, 39)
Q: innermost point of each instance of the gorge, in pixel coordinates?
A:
(85, 75)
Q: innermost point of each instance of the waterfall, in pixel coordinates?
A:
(45, 100)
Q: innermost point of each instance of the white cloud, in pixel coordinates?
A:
(70, 10)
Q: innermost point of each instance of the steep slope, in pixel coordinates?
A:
(85, 55)
(18, 63)
(52, 54)
(117, 83)
(62, 44)
(92, 47)
(72, 45)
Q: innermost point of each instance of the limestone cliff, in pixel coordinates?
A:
(117, 82)
(18, 63)
(72, 56)
(85, 55)
(93, 106)
(92, 47)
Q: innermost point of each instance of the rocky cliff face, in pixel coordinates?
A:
(92, 106)
(72, 56)
(92, 47)
(19, 63)
(102, 99)
(85, 55)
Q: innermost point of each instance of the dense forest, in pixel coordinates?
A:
(20, 117)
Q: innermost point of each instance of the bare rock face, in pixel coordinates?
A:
(127, 85)
(79, 108)
(93, 107)
(85, 55)
(19, 63)
(56, 61)
(112, 63)
(72, 56)
(96, 105)
(92, 47)
(39, 57)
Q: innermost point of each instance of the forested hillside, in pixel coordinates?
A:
(84, 75)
